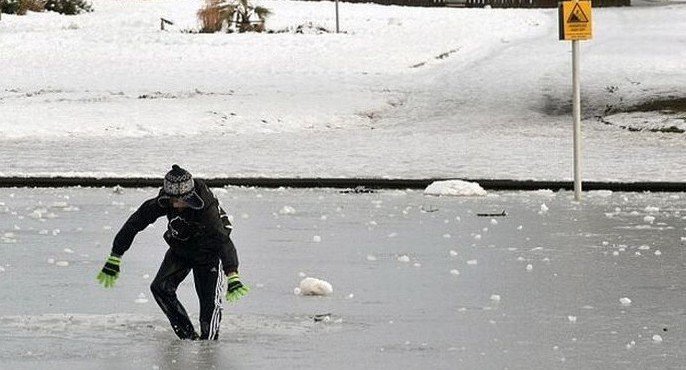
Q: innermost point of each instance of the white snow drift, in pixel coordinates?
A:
(455, 188)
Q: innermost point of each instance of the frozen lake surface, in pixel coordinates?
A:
(419, 282)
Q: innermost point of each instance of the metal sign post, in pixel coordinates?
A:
(337, 29)
(575, 24)
(576, 112)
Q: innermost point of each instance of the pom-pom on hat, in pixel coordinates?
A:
(178, 183)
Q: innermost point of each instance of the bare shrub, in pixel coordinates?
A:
(31, 5)
(214, 15)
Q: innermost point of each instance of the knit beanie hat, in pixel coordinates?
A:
(178, 183)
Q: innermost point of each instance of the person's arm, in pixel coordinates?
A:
(146, 214)
(219, 221)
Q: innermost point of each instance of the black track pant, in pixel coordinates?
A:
(209, 280)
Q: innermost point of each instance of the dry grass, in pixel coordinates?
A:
(30, 5)
(213, 15)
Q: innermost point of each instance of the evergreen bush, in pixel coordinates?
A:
(68, 7)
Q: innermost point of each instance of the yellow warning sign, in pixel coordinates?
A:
(575, 20)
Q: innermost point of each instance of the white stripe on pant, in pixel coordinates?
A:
(215, 322)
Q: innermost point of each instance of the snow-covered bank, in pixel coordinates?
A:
(405, 92)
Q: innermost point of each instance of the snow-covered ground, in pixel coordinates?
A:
(404, 92)
(418, 282)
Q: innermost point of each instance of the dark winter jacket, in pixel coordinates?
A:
(197, 235)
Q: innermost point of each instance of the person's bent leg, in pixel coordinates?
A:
(209, 284)
(172, 272)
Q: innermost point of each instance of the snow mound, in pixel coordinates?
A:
(455, 188)
(312, 286)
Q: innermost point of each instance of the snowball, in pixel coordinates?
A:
(657, 339)
(544, 208)
(417, 264)
(571, 318)
(446, 236)
(520, 227)
(453, 253)
(477, 237)
(302, 274)
(472, 262)
(296, 291)
(495, 297)
(494, 221)
(615, 253)
(455, 188)
(658, 253)
(312, 286)
(625, 301)
(454, 272)
(371, 257)
(529, 267)
(68, 250)
(404, 258)
(317, 239)
(649, 219)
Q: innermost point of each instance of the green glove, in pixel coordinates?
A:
(110, 272)
(235, 289)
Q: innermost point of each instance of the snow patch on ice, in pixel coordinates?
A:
(404, 258)
(287, 210)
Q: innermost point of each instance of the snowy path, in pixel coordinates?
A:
(540, 288)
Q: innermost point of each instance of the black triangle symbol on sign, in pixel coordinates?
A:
(577, 15)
